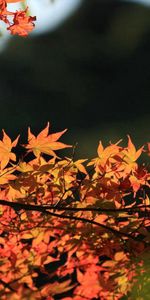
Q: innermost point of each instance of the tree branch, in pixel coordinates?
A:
(18, 206)
(45, 209)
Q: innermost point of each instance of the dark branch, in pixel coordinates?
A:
(45, 209)
(41, 208)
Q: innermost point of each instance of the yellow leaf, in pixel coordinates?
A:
(120, 256)
(38, 239)
(26, 236)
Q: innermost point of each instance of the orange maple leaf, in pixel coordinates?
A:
(22, 24)
(130, 155)
(130, 151)
(45, 143)
(105, 156)
(5, 150)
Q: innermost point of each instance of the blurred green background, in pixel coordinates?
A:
(91, 75)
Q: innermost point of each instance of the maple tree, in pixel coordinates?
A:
(71, 229)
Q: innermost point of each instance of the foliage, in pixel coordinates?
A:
(18, 22)
(141, 290)
(69, 229)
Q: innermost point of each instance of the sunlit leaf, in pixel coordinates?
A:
(45, 143)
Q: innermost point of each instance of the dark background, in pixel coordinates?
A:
(91, 75)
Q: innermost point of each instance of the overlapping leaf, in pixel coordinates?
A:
(78, 229)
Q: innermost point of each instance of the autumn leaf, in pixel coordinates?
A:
(5, 150)
(105, 156)
(89, 282)
(109, 151)
(120, 256)
(79, 165)
(24, 167)
(48, 211)
(101, 218)
(45, 143)
(135, 183)
(22, 23)
(130, 156)
(6, 175)
(18, 22)
(38, 239)
(56, 288)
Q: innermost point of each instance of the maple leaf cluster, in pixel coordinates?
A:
(19, 23)
(69, 229)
